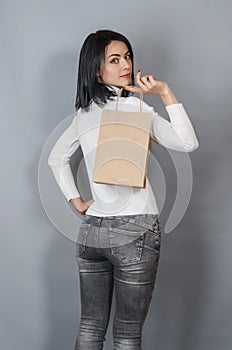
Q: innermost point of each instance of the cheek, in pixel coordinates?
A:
(109, 71)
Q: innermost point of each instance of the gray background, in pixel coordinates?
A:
(187, 44)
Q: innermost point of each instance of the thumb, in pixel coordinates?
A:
(132, 88)
(90, 202)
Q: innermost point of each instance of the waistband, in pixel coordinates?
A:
(144, 220)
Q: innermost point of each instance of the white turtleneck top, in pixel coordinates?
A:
(178, 134)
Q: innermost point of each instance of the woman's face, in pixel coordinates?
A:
(117, 68)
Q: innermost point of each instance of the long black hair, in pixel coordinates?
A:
(89, 89)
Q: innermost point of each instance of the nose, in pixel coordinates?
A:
(125, 64)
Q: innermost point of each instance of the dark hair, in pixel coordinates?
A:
(89, 89)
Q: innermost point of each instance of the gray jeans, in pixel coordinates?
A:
(119, 253)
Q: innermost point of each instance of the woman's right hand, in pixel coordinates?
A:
(80, 205)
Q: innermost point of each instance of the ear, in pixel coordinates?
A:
(98, 76)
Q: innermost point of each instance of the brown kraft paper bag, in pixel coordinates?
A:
(123, 147)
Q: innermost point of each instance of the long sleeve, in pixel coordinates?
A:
(59, 161)
(178, 134)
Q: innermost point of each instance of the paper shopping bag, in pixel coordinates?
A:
(123, 147)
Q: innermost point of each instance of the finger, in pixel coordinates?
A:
(146, 78)
(143, 88)
(146, 81)
(132, 88)
(138, 75)
(152, 80)
(139, 78)
(142, 81)
(144, 84)
(152, 77)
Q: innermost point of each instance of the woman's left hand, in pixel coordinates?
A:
(149, 85)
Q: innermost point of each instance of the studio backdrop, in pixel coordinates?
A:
(185, 43)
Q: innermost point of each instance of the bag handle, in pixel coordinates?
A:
(119, 94)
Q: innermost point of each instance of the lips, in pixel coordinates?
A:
(125, 75)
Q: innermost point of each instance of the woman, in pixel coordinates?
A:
(119, 239)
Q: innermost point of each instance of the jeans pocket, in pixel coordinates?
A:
(82, 238)
(126, 241)
(152, 238)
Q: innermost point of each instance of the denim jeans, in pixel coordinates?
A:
(120, 254)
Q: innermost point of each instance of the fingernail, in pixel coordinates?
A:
(139, 70)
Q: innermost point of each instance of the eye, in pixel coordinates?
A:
(128, 56)
(114, 60)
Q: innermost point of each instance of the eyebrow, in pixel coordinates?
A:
(116, 54)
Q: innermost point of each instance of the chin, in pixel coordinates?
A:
(120, 85)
